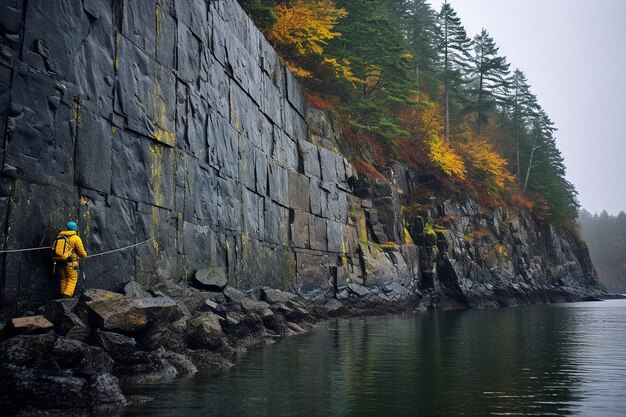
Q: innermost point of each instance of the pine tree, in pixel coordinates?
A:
(455, 46)
(260, 11)
(545, 171)
(379, 56)
(520, 108)
(419, 24)
(490, 73)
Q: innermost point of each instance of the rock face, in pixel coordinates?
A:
(488, 257)
(177, 120)
(55, 373)
(174, 120)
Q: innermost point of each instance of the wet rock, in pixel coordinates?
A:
(208, 360)
(73, 327)
(157, 366)
(274, 296)
(130, 315)
(294, 312)
(211, 278)
(55, 310)
(47, 371)
(240, 326)
(170, 336)
(205, 332)
(118, 346)
(334, 307)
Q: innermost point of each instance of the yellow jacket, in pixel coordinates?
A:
(76, 243)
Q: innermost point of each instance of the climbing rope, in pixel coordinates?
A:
(24, 250)
(119, 249)
(90, 256)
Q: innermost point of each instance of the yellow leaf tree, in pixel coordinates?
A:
(303, 29)
(486, 164)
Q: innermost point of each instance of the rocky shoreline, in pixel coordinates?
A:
(104, 341)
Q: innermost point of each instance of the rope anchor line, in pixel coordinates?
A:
(119, 249)
(89, 256)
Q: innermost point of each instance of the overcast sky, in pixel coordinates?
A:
(574, 55)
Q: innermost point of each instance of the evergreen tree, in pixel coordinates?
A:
(419, 24)
(490, 76)
(545, 171)
(520, 108)
(260, 11)
(454, 46)
(379, 56)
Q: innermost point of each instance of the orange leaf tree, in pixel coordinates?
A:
(302, 30)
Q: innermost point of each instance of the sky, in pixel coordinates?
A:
(573, 53)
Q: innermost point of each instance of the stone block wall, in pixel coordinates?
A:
(172, 119)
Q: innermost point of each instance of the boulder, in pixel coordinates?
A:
(233, 294)
(293, 312)
(157, 366)
(95, 294)
(135, 290)
(131, 315)
(46, 371)
(274, 296)
(276, 323)
(208, 360)
(170, 336)
(23, 325)
(333, 307)
(211, 278)
(252, 306)
(117, 345)
(217, 297)
(212, 305)
(74, 328)
(55, 310)
(188, 296)
(205, 332)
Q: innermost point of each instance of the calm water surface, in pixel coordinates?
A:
(557, 360)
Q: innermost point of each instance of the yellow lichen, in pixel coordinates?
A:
(155, 173)
(76, 115)
(407, 237)
(344, 259)
(159, 116)
(362, 228)
(116, 60)
(501, 250)
(156, 222)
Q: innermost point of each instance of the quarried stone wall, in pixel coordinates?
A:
(170, 119)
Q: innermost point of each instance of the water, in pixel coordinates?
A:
(556, 360)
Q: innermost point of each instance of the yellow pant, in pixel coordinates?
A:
(69, 278)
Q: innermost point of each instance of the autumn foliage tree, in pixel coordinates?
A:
(302, 31)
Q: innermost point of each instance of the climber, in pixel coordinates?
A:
(67, 248)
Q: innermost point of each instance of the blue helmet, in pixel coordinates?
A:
(71, 226)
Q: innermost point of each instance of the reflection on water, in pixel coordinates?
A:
(558, 360)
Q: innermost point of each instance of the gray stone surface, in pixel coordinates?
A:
(211, 278)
